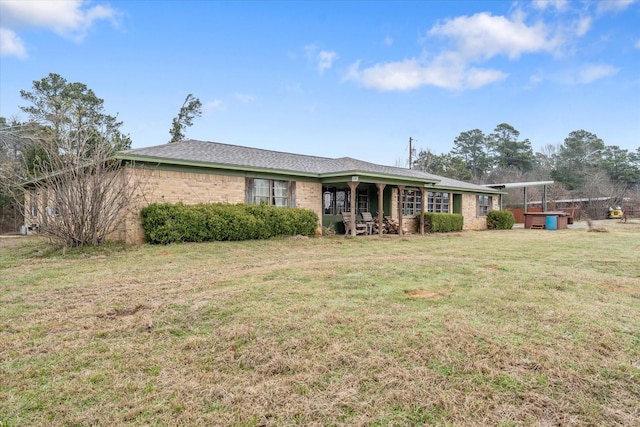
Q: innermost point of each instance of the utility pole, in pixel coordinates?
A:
(410, 152)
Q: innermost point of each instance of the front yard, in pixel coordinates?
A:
(517, 327)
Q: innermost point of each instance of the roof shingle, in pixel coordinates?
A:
(215, 153)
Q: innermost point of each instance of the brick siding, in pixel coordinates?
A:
(161, 186)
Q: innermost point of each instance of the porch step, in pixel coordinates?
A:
(537, 226)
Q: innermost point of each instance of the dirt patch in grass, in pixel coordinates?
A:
(419, 293)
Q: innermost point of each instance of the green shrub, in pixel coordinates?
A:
(500, 220)
(442, 222)
(171, 223)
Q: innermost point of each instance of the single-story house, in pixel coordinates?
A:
(194, 172)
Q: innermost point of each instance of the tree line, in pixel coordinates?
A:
(582, 166)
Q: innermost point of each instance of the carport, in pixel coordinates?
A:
(524, 186)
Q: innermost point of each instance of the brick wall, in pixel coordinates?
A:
(309, 196)
(470, 212)
(161, 186)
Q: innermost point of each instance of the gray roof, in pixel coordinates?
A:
(215, 153)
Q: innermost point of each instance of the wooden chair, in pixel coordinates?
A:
(368, 220)
(360, 227)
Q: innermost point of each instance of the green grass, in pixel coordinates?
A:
(510, 328)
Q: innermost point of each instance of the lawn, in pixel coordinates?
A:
(507, 328)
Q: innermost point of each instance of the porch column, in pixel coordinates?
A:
(380, 206)
(400, 191)
(544, 198)
(423, 193)
(525, 199)
(352, 205)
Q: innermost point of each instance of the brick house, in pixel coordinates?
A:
(208, 172)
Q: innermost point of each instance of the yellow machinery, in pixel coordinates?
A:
(615, 213)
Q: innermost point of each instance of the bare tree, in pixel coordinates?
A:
(77, 200)
(602, 193)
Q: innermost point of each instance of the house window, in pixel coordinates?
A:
(438, 202)
(411, 202)
(328, 202)
(342, 202)
(338, 200)
(363, 200)
(335, 200)
(270, 192)
(34, 199)
(484, 205)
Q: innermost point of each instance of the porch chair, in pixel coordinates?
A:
(360, 227)
(368, 220)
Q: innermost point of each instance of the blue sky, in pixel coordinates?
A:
(336, 78)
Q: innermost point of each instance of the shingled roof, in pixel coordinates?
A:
(215, 154)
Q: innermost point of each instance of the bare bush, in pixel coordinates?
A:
(77, 200)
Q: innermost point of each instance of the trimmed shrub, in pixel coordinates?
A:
(500, 220)
(171, 223)
(442, 222)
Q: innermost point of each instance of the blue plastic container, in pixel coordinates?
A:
(552, 223)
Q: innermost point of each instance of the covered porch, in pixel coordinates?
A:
(352, 196)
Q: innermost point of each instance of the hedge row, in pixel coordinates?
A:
(500, 220)
(170, 223)
(442, 222)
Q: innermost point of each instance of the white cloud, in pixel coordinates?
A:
(71, 19)
(592, 73)
(321, 59)
(637, 45)
(473, 40)
(613, 5)
(445, 71)
(476, 77)
(211, 106)
(584, 24)
(11, 44)
(388, 41)
(483, 36)
(559, 5)
(325, 60)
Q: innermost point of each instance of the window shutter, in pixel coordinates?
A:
(292, 194)
(249, 190)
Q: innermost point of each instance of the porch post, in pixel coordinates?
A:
(424, 202)
(400, 191)
(525, 199)
(544, 198)
(380, 206)
(352, 205)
